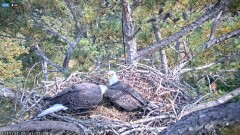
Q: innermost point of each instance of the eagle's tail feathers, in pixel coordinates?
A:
(54, 108)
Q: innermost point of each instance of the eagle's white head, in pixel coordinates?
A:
(103, 88)
(112, 77)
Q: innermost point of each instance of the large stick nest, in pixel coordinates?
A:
(169, 94)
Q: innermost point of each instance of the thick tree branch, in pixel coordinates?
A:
(158, 45)
(42, 125)
(68, 56)
(79, 31)
(223, 37)
(71, 49)
(44, 57)
(213, 103)
(214, 25)
(74, 14)
(207, 119)
(78, 38)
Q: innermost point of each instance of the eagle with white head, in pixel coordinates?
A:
(78, 96)
(121, 94)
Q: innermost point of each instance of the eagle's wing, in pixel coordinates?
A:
(128, 102)
(85, 87)
(82, 100)
(126, 88)
(81, 87)
(67, 90)
(81, 95)
(137, 96)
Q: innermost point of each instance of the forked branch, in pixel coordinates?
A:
(42, 125)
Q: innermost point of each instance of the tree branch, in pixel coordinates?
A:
(207, 119)
(213, 103)
(198, 68)
(44, 57)
(232, 34)
(134, 34)
(158, 45)
(75, 18)
(232, 57)
(223, 37)
(163, 57)
(42, 125)
(57, 34)
(79, 31)
(43, 25)
(213, 28)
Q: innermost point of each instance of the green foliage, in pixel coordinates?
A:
(104, 34)
(10, 66)
(7, 111)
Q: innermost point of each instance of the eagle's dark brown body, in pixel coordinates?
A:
(83, 95)
(126, 97)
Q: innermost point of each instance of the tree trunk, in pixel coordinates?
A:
(128, 32)
(205, 120)
(67, 57)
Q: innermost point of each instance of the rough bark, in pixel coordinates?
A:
(207, 119)
(41, 126)
(129, 31)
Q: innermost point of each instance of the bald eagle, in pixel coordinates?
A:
(78, 96)
(121, 94)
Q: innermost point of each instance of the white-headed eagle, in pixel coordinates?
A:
(121, 94)
(78, 96)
